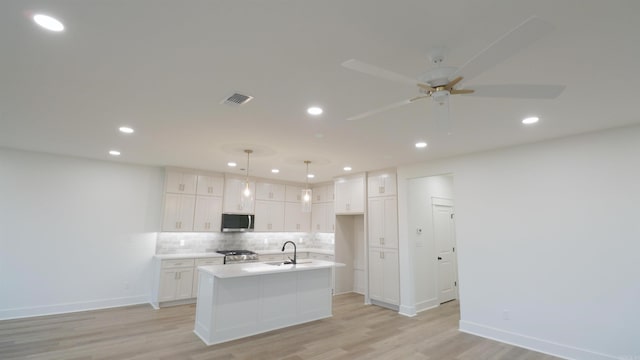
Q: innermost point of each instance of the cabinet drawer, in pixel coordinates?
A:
(167, 264)
(209, 261)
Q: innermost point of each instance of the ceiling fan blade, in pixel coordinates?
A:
(504, 47)
(519, 91)
(453, 83)
(425, 87)
(461, 91)
(418, 98)
(377, 72)
(388, 107)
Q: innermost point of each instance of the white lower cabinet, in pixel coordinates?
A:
(176, 280)
(384, 283)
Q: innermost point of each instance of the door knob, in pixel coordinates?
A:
(439, 258)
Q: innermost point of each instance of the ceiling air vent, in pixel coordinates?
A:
(237, 99)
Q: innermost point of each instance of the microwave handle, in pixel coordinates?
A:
(249, 216)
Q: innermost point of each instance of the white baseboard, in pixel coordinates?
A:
(532, 343)
(25, 312)
(409, 311)
(427, 305)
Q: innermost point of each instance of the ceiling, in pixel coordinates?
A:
(164, 66)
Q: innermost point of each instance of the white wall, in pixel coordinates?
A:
(74, 234)
(550, 233)
(420, 215)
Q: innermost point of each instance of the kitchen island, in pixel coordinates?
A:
(239, 300)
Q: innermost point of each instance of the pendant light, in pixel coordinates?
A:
(246, 197)
(306, 196)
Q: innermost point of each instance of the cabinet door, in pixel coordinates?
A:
(210, 185)
(293, 193)
(294, 219)
(168, 284)
(185, 283)
(270, 191)
(343, 198)
(376, 222)
(208, 214)
(180, 183)
(232, 196)
(178, 212)
(381, 184)
(390, 233)
(356, 190)
(318, 214)
(376, 276)
(390, 281)
(329, 218)
(269, 216)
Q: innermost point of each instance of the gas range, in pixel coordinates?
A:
(238, 256)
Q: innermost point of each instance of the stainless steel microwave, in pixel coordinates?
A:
(237, 222)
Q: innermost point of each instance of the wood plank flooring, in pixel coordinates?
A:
(356, 331)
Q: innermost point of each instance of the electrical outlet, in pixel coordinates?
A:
(506, 315)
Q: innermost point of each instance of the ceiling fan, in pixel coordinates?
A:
(441, 81)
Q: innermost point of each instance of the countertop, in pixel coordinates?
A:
(288, 250)
(261, 268)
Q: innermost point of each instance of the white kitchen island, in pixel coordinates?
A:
(239, 300)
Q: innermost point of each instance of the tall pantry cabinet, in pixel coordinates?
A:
(382, 213)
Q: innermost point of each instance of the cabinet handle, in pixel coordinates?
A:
(210, 189)
(381, 241)
(381, 189)
(175, 276)
(181, 187)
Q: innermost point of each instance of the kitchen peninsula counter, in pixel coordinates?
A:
(239, 300)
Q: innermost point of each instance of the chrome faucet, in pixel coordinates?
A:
(291, 261)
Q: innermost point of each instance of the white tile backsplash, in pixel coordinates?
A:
(189, 242)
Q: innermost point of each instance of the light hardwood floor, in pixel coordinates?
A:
(356, 331)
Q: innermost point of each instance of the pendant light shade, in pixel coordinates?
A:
(306, 196)
(246, 196)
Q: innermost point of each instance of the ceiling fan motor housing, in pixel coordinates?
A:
(438, 76)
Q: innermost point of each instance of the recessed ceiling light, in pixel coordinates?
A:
(310, 176)
(421, 144)
(530, 120)
(275, 171)
(48, 22)
(231, 164)
(126, 129)
(314, 110)
(347, 168)
(114, 152)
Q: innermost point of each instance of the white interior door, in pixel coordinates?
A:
(444, 233)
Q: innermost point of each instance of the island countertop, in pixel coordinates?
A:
(262, 268)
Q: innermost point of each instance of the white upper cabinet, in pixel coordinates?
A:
(270, 191)
(323, 218)
(294, 219)
(349, 196)
(178, 212)
(269, 215)
(211, 185)
(381, 183)
(179, 182)
(293, 193)
(323, 193)
(232, 196)
(208, 214)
